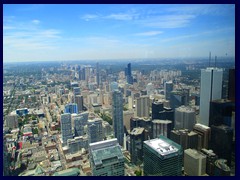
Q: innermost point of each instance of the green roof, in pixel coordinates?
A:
(68, 172)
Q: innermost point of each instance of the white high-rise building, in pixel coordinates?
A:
(211, 89)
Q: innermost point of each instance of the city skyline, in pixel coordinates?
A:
(85, 32)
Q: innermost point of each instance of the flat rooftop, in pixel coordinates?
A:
(161, 146)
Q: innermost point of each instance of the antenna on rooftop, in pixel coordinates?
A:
(209, 58)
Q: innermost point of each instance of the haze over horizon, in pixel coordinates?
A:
(77, 32)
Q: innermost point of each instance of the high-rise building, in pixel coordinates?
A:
(194, 163)
(117, 115)
(162, 157)
(185, 118)
(127, 115)
(221, 112)
(161, 127)
(76, 91)
(221, 141)
(157, 107)
(128, 74)
(76, 144)
(142, 122)
(113, 86)
(168, 88)
(66, 127)
(71, 108)
(85, 117)
(142, 106)
(78, 125)
(95, 130)
(178, 98)
(106, 158)
(136, 145)
(211, 89)
(204, 134)
(79, 102)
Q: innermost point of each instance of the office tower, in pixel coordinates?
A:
(142, 122)
(231, 85)
(113, 86)
(185, 138)
(161, 127)
(221, 168)
(185, 118)
(194, 163)
(76, 144)
(142, 106)
(106, 158)
(221, 141)
(211, 158)
(95, 130)
(162, 157)
(168, 88)
(204, 133)
(117, 116)
(179, 98)
(66, 127)
(97, 75)
(79, 102)
(11, 121)
(136, 145)
(211, 89)
(71, 108)
(78, 125)
(85, 117)
(128, 74)
(168, 113)
(221, 112)
(150, 89)
(127, 115)
(107, 130)
(76, 91)
(157, 107)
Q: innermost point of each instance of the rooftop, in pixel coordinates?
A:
(163, 146)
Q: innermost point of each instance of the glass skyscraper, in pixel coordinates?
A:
(66, 127)
(71, 108)
(117, 116)
(162, 157)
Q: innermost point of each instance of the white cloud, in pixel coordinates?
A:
(35, 21)
(88, 17)
(121, 16)
(149, 33)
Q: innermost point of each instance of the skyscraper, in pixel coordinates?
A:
(211, 89)
(194, 163)
(95, 130)
(79, 102)
(156, 108)
(185, 118)
(128, 74)
(71, 108)
(162, 157)
(161, 127)
(204, 134)
(117, 116)
(66, 127)
(78, 125)
(97, 74)
(106, 158)
(168, 88)
(142, 106)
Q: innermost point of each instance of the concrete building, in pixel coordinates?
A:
(142, 106)
(66, 127)
(95, 130)
(161, 127)
(78, 124)
(204, 134)
(211, 89)
(127, 115)
(79, 102)
(136, 145)
(194, 163)
(106, 158)
(168, 87)
(11, 121)
(162, 157)
(185, 118)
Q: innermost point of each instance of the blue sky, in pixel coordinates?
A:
(84, 32)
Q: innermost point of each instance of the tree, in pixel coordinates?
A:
(138, 173)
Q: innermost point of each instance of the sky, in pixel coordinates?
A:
(55, 32)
